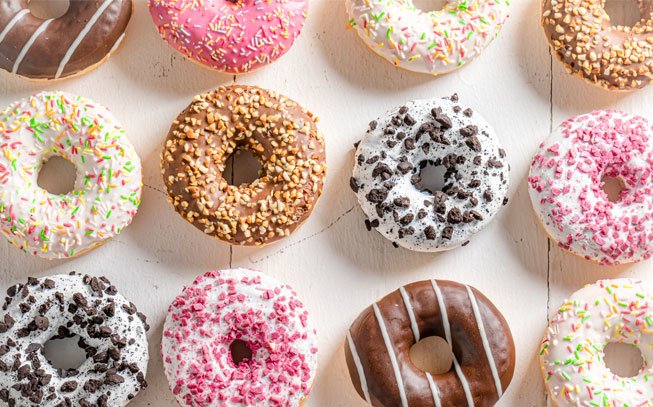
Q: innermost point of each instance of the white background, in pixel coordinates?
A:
(338, 267)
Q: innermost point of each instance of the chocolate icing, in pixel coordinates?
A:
(466, 343)
(49, 49)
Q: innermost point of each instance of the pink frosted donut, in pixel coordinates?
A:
(566, 180)
(229, 307)
(233, 36)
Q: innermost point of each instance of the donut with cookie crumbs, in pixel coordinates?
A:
(398, 146)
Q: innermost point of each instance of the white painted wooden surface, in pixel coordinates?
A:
(333, 262)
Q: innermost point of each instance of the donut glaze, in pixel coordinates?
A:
(221, 307)
(378, 344)
(572, 352)
(233, 36)
(109, 175)
(436, 42)
(566, 186)
(112, 334)
(62, 47)
(279, 132)
(583, 38)
(438, 132)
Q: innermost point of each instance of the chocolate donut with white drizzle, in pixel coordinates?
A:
(378, 344)
(60, 47)
(440, 132)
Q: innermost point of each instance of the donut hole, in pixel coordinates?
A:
(427, 6)
(240, 352)
(47, 9)
(612, 186)
(65, 353)
(432, 354)
(243, 167)
(623, 13)
(432, 177)
(57, 176)
(622, 359)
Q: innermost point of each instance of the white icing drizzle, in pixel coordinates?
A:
(29, 44)
(81, 36)
(12, 23)
(447, 333)
(486, 343)
(434, 390)
(391, 353)
(411, 314)
(359, 367)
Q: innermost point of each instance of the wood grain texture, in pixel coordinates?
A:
(333, 262)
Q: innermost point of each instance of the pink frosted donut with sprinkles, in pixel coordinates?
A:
(239, 338)
(433, 42)
(572, 356)
(108, 183)
(231, 36)
(566, 182)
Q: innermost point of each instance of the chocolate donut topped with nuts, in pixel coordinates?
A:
(582, 36)
(281, 134)
(388, 180)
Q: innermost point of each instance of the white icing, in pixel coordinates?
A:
(434, 390)
(82, 34)
(411, 313)
(359, 368)
(109, 175)
(572, 353)
(374, 144)
(484, 340)
(391, 354)
(29, 44)
(125, 325)
(435, 42)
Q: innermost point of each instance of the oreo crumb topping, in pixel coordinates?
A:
(64, 306)
(389, 182)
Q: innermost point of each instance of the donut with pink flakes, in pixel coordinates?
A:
(239, 338)
(231, 36)
(566, 186)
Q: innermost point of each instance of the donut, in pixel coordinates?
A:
(227, 306)
(389, 160)
(279, 132)
(63, 47)
(378, 344)
(565, 185)
(107, 188)
(572, 352)
(112, 334)
(436, 42)
(583, 38)
(231, 36)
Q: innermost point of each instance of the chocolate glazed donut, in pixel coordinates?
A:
(378, 344)
(62, 47)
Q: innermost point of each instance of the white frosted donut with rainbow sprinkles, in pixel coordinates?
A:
(566, 186)
(107, 189)
(572, 352)
(433, 42)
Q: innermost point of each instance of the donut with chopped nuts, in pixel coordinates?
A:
(388, 184)
(237, 338)
(583, 38)
(112, 334)
(279, 132)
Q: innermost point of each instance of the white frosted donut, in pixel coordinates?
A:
(566, 186)
(222, 307)
(572, 352)
(107, 189)
(438, 132)
(435, 42)
(112, 334)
